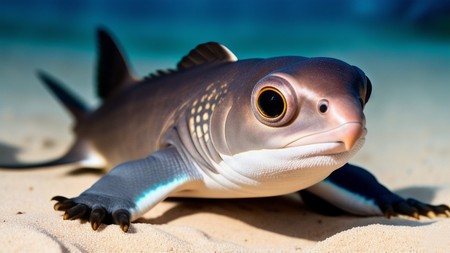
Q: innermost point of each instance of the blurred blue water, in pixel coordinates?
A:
(402, 45)
(252, 27)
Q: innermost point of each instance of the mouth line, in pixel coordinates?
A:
(338, 134)
(322, 148)
(329, 149)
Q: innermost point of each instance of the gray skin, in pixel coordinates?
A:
(222, 128)
(144, 132)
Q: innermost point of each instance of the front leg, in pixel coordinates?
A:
(354, 190)
(130, 190)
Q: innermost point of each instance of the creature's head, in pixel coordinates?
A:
(290, 127)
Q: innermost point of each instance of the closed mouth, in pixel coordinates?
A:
(344, 137)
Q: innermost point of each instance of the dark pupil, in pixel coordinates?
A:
(271, 103)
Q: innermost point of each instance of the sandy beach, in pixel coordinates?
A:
(407, 148)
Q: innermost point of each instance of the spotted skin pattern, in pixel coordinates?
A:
(202, 110)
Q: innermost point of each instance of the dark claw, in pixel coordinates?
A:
(62, 203)
(389, 212)
(97, 216)
(59, 198)
(422, 208)
(415, 209)
(63, 206)
(442, 210)
(406, 209)
(122, 218)
(432, 210)
(76, 212)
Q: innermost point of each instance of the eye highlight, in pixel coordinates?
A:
(271, 103)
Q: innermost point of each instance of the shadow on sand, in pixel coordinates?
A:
(285, 215)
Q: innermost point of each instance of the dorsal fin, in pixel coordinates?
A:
(206, 53)
(160, 73)
(112, 68)
(209, 52)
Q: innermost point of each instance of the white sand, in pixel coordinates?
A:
(408, 149)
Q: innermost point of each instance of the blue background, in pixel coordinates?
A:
(250, 28)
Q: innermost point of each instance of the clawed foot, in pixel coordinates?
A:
(92, 209)
(414, 208)
(96, 214)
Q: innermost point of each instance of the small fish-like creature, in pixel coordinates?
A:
(218, 127)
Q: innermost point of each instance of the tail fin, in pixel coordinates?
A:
(113, 75)
(80, 152)
(72, 103)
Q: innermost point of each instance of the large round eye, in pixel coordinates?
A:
(271, 103)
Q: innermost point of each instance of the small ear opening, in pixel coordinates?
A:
(368, 89)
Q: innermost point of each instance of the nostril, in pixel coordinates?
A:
(323, 105)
